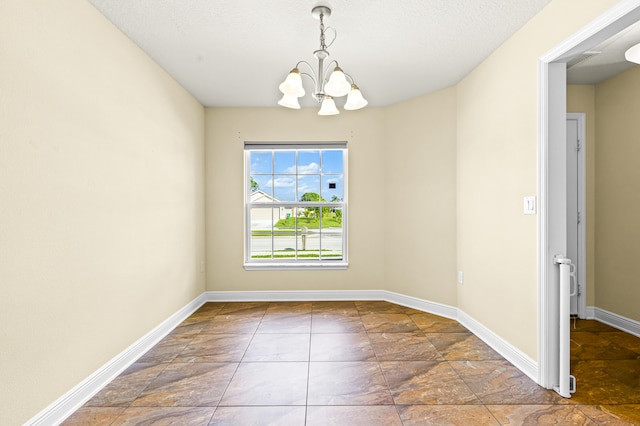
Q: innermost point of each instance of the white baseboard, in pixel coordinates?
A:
(293, 295)
(68, 403)
(422, 305)
(509, 352)
(614, 320)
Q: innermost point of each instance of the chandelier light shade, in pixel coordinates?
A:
(633, 54)
(337, 84)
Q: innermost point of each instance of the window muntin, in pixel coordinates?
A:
(295, 198)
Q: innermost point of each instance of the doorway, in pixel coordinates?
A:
(552, 173)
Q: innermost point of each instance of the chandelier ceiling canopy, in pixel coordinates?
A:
(338, 84)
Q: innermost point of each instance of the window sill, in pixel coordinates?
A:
(295, 266)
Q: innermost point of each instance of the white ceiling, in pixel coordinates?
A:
(235, 53)
(605, 60)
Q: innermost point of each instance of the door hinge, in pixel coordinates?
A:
(579, 218)
(579, 145)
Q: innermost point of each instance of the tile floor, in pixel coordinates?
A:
(356, 363)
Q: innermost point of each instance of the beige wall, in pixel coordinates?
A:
(581, 98)
(617, 202)
(101, 199)
(420, 181)
(497, 166)
(228, 129)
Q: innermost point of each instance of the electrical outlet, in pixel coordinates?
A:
(460, 277)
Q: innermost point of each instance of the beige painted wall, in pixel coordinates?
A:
(101, 199)
(420, 179)
(497, 166)
(581, 98)
(617, 186)
(228, 129)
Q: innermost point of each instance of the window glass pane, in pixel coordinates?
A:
(284, 243)
(260, 162)
(332, 162)
(284, 162)
(332, 188)
(263, 192)
(309, 242)
(332, 235)
(284, 187)
(261, 232)
(309, 188)
(308, 162)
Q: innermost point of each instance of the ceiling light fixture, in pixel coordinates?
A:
(633, 54)
(339, 84)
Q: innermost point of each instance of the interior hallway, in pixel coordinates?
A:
(356, 363)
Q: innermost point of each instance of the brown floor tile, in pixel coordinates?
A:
(215, 348)
(607, 381)
(622, 339)
(347, 383)
(289, 308)
(94, 416)
(426, 382)
(344, 362)
(587, 345)
(125, 388)
(533, 415)
(268, 383)
(499, 382)
(285, 323)
(462, 346)
(167, 349)
(613, 415)
(590, 325)
(336, 307)
(368, 415)
(328, 322)
(379, 307)
(341, 347)
(388, 323)
(278, 347)
(251, 309)
(430, 323)
(188, 385)
(264, 416)
(164, 416)
(403, 346)
(446, 415)
(232, 324)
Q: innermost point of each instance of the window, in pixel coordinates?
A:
(295, 205)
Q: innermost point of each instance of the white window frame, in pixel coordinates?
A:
(291, 264)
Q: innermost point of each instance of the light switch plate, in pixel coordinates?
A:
(530, 205)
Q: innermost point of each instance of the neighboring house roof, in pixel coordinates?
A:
(261, 196)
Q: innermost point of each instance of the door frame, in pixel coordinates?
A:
(552, 172)
(580, 117)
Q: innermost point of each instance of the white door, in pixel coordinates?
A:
(575, 209)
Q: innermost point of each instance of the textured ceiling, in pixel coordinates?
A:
(235, 53)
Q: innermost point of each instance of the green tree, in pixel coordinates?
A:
(314, 197)
(254, 185)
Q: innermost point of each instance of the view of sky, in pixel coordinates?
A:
(279, 174)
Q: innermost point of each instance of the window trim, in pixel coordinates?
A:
(255, 265)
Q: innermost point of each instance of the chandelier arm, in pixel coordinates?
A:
(313, 75)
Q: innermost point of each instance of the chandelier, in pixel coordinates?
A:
(339, 84)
